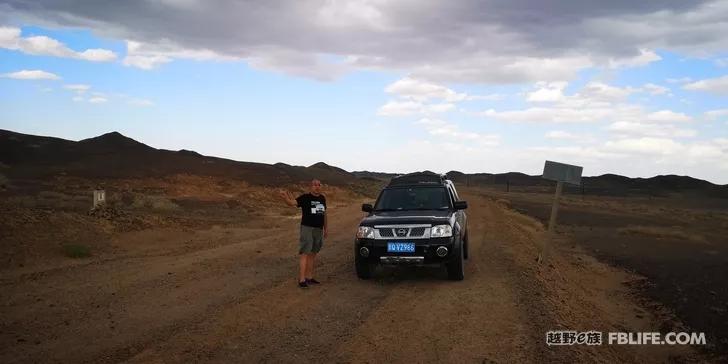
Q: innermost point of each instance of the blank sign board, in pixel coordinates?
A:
(562, 172)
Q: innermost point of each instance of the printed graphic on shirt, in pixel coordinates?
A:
(318, 207)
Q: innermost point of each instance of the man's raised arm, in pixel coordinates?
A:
(288, 198)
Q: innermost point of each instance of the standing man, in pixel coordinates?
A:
(313, 229)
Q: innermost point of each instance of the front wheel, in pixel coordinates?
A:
(363, 268)
(456, 267)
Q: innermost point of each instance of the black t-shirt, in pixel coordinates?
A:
(313, 209)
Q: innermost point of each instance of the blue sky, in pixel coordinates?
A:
(652, 107)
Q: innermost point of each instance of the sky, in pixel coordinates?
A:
(633, 88)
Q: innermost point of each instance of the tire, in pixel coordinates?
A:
(456, 267)
(363, 268)
(466, 244)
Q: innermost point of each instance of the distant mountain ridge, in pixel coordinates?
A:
(113, 155)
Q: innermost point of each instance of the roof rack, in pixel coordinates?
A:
(418, 178)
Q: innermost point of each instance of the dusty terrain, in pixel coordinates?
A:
(193, 259)
(225, 292)
(676, 243)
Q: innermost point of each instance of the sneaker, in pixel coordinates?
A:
(303, 284)
(312, 281)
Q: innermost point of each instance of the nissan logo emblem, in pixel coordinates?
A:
(401, 232)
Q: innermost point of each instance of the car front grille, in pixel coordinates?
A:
(403, 231)
(417, 232)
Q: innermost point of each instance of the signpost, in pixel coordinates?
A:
(99, 198)
(561, 173)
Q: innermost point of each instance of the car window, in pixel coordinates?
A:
(413, 198)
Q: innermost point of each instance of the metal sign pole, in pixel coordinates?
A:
(561, 173)
(552, 222)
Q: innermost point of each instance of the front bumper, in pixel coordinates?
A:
(424, 254)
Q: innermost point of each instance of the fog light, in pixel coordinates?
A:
(441, 251)
(364, 252)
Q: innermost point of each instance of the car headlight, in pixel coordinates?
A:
(365, 232)
(441, 231)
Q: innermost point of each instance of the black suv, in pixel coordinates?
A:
(417, 219)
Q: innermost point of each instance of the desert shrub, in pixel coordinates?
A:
(76, 251)
(233, 204)
(154, 203)
(161, 203)
(127, 198)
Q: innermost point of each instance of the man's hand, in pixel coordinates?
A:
(287, 197)
(326, 232)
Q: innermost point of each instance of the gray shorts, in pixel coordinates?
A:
(311, 240)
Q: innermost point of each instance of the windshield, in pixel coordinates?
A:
(413, 198)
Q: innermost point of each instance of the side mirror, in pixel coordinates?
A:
(367, 207)
(461, 205)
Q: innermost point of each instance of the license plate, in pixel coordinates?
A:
(400, 247)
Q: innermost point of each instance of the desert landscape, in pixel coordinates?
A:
(193, 258)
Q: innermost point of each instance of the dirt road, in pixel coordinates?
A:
(236, 301)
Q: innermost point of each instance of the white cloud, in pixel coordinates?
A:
(97, 100)
(77, 99)
(547, 92)
(716, 114)
(721, 62)
(489, 97)
(667, 116)
(151, 55)
(562, 135)
(593, 93)
(146, 62)
(598, 91)
(31, 75)
(442, 129)
(645, 57)
(10, 38)
(97, 55)
(649, 129)
(495, 69)
(717, 85)
(653, 89)
(646, 145)
(549, 115)
(421, 91)
(77, 88)
(595, 102)
(408, 108)
(438, 108)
